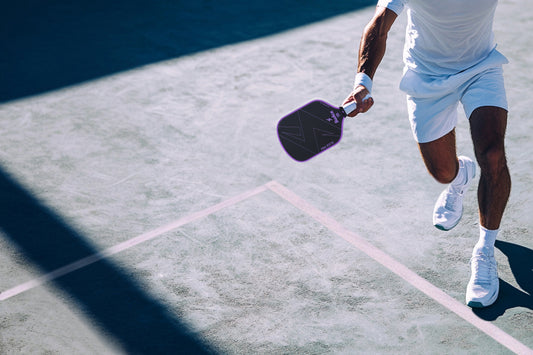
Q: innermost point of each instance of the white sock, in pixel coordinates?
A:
(486, 241)
(460, 179)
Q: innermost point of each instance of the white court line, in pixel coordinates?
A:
(401, 270)
(127, 244)
(334, 226)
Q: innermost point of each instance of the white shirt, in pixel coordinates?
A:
(444, 37)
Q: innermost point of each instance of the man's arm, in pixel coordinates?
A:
(371, 52)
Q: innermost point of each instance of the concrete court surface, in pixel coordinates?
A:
(161, 178)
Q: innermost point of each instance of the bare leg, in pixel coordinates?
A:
(443, 164)
(487, 125)
(440, 157)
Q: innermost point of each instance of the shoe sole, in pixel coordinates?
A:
(473, 304)
(440, 227)
(490, 302)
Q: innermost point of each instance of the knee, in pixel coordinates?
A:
(492, 161)
(443, 174)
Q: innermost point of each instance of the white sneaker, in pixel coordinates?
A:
(449, 206)
(484, 285)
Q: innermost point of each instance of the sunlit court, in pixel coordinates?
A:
(148, 207)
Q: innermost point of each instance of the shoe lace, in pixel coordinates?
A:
(483, 267)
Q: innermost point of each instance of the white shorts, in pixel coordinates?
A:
(432, 101)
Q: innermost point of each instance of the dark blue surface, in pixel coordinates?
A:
(47, 45)
(114, 301)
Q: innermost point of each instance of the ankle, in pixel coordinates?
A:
(486, 241)
(462, 177)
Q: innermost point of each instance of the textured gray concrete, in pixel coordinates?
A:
(95, 164)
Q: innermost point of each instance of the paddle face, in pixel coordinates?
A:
(311, 129)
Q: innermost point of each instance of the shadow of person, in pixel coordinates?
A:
(521, 263)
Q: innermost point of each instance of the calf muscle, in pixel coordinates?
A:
(487, 126)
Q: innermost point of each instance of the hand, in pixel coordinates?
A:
(358, 95)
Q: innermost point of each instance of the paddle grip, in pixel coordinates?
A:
(351, 106)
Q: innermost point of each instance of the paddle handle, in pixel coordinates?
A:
(349, 108)
(352, 106)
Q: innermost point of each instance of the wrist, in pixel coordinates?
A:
(363, 80)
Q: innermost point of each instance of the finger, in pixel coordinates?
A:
(366, 104)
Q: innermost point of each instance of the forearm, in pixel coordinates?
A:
(374, 41)
(371, 52)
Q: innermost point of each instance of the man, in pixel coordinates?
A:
(450, 57)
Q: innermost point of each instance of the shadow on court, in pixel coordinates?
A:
(47, 45)
(521, 263)
(111, 299)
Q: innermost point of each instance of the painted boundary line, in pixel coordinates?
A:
(401, 270)
(381, 257)
(128, 244)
